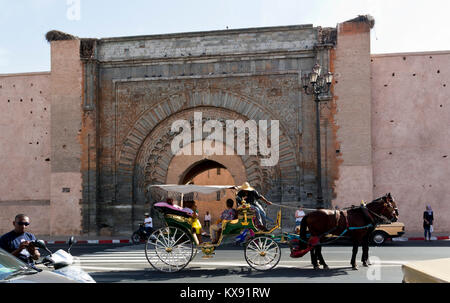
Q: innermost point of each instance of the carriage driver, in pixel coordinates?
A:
(250, 195)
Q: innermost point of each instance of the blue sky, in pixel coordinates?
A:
(400, 25)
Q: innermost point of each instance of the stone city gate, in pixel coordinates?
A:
(134, 88)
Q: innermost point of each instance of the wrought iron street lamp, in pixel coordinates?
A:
(316, 84)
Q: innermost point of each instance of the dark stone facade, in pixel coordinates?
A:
(134, 87)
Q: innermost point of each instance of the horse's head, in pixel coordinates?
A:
(384, 208)
(390, 198)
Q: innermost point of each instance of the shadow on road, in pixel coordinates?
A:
(150, 275)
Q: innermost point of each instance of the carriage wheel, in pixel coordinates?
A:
(169, 249)
(194, 253)
(262, 253)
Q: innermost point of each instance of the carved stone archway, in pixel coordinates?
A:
(145, 154)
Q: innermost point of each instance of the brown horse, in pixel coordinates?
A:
(356, 223)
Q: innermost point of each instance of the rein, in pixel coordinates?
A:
(294, 236)
(348, 228)
(383, 218)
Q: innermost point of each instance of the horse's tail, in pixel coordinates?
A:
(303, 236)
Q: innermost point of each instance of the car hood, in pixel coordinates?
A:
(40, 277)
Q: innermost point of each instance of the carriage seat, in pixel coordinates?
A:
(166, 208)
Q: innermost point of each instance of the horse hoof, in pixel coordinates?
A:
(316, 267)
(326, 267)
(354, 267)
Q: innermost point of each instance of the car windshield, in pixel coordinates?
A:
(10, 265)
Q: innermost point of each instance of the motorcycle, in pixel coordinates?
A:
(141, 235)
(62, 263)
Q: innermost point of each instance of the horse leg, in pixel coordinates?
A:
(314, 258)
(354, 252)
(321, 260)
(365, 255)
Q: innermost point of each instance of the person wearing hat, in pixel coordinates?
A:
(250, 195)
(148, 223)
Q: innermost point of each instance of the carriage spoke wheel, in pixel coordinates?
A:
(262, 253)
(169, 249)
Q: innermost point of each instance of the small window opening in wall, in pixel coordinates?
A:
(218, 171)
(338, 151)
(31, 99)
(438, 71)
(31, 84)
(21, 100)
(218, 196)
(47, 160)
(66, 190)
(404, 58)
(414, 75)
(393, 74)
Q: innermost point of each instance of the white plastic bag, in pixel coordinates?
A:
(431, 228)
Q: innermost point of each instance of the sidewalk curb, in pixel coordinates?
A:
(121, 241)
(126, 241)
(404, 239)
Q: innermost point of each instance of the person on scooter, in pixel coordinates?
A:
(148, 223)
(19, 242)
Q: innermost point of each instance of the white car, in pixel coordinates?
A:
(13, 270)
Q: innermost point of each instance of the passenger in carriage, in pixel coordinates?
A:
(172, 203)
(196, 225)
(250, 195)
(228, 214)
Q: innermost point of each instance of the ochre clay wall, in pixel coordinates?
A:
(411, 134)
(352, 88)
(66, 125)
(25, 149)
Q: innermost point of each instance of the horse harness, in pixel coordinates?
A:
(337, 215)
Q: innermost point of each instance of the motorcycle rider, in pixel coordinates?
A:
(19, 242)
(148, 223)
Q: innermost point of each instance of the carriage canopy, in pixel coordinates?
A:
(191, 188)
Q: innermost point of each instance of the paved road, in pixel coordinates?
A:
(127, 263)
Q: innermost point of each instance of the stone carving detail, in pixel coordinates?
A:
(145, 153)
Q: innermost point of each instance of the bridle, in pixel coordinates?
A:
(383, 218)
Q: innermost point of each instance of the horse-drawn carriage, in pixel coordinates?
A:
(172, 247)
